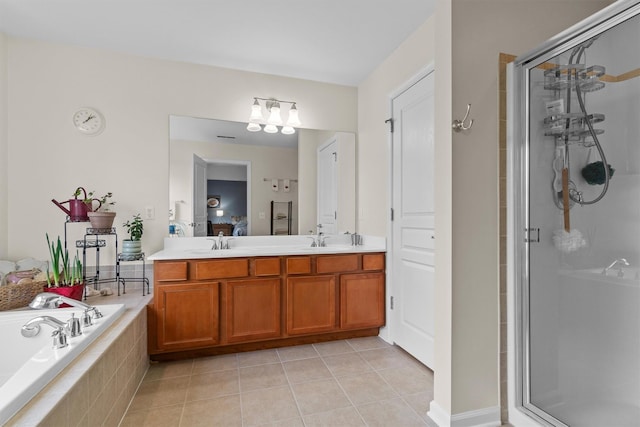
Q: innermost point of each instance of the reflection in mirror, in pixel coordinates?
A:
(245, 172)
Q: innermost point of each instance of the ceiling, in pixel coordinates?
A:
(335, 41)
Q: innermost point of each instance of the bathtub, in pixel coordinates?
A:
(598, 343)
(28, 364)
(627, 276)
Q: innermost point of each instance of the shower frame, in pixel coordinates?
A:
(518, 184)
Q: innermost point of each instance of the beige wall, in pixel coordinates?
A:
(414, 55)
(443, 387)
(3, 145)
(463, 42)
(481, 29)
(49, 159)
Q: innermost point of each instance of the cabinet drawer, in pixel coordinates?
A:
(337, 264)
(170, 271)
(266, 267)
(372, 262)
(299, 265)
(221, 269)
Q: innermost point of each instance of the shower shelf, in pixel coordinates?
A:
(578, 130)
(588, 78)
(577, 137)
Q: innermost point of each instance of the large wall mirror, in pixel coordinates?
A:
(225, 178)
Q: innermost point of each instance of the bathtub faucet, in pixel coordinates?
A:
(51, 300)
(32, 328)
(621, 262)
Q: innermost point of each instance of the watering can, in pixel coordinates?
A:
(78, 208)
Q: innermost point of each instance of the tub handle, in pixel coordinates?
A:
(59, 338)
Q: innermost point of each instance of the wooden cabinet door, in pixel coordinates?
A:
(188, 315)
(311, 304)
(361, 300)
(252, 309)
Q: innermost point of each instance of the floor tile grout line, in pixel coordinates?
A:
(400, 395)
(335, 378)
(293, 394)
(186, 392)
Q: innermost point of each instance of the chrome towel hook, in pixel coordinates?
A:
(459, 125)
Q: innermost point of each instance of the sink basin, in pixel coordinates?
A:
(201, 251)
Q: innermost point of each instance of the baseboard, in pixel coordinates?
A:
(438, 417)
(486, 417)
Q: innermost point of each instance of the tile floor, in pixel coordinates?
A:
(356, 382)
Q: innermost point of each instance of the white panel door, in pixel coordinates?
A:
(199, 197)
(327, 186)
(413, 231)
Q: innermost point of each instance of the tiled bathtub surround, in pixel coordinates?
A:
(96, 388)
(356, 382)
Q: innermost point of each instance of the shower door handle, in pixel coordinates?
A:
(528, 235)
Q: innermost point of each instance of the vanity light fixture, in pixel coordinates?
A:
(275, 119)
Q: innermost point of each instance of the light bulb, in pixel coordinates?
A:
(270, 129)
(274, 117)
(254, 127)
(256, 112)
(293, 119)
(288, 130)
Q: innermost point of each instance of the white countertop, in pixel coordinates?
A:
(251, 246)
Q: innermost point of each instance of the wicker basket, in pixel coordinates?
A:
(15, 296)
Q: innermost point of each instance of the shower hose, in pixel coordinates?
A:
(579, 51)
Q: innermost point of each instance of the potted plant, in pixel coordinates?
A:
(133, 245)
(64, 276)
(102, 218)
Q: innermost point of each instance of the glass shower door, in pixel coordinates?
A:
(580, 285)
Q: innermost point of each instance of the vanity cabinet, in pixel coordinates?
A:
(311, 304)
(187, 315)
(212, 306)
(252, 309)
(361, 300)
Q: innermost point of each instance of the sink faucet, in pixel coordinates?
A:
(51, 300)
(321, 237)
(621, 262)
(219, 243)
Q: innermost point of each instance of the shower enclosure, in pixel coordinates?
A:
(574, 185)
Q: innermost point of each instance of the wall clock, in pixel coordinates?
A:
(88, 121)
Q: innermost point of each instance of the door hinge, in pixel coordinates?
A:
(391, 214)
(392, 303)
(335, 215)
(390, 121)
(528, 235)
(335, 156)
